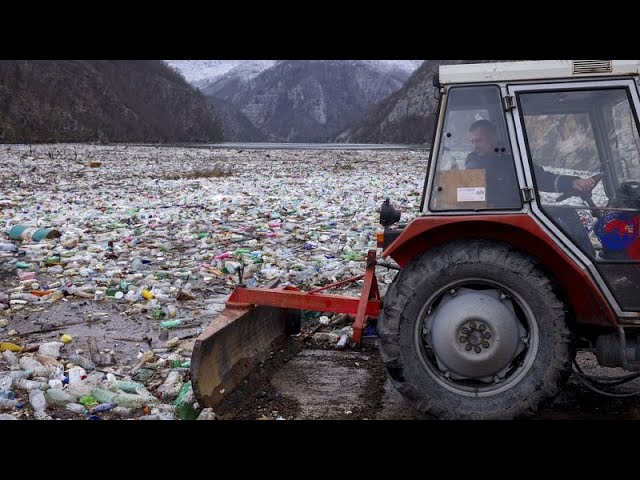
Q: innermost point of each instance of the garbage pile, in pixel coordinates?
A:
(119, 254)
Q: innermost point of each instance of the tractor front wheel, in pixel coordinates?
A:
(472, 329)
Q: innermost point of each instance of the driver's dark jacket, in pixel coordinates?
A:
(502, 189)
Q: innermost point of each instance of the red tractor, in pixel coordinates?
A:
(526, 248)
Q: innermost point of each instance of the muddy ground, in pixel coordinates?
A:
(303, 380)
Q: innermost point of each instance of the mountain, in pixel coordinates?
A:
(406, 116)
(307, 100)
(202, 73)
(101, 100)
(235, 126)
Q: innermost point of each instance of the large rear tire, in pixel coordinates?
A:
(472, 329)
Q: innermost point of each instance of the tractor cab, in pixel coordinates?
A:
(521, 138)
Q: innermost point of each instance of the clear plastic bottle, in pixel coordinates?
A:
(25, 384)
(8, 247)
(28, 363)
(104, 396)
(82, 361)
(55, 384)
(7, 394)
(5, 382)
(50, 349)
(60, 397)
(37, 400)
(16, 374)
(76, 374)
(131, 400)
(6, 404)
(129, 387)
(80, 389)
(75, 407)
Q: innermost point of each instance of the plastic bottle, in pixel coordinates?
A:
(55, 384)
(30, 384)
(60, 397)
(28, 363)
(84, 291)
(76, 374)
(88, 401)
(5, 382)
(80, 389)
(103, 407)
(16, 374)
(41, 371)
(84, 362)
(50, 349)
(171, 386)
(7, 394)
(104, 396)
(6, 404)
(170, 323)
(37, 400)
(131, 296)
(75, 407)
(207, 414)
(136, 265)
(131, 400)
(129, 387)
(8, 247)
(122, 411)
(184, 403)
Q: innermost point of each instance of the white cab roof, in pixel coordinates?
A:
(534, 70)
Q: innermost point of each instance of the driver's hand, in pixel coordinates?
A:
(583, 184)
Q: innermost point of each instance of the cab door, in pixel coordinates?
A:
(572, 131)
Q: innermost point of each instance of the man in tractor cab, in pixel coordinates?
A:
(500, 172)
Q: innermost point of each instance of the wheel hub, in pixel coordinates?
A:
(474, 334)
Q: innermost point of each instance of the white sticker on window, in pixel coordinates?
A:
(471, 194)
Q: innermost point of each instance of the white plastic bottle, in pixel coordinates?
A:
(37, 400)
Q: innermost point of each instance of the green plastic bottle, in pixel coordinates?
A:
(184, 403)
(170, 323)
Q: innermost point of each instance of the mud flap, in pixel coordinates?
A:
(232, 346)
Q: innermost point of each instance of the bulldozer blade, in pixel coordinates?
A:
(231, 347)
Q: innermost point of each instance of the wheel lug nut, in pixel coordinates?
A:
(463, 339)
(477, 349)
(485, 344)
(472, 325)
(487, 335)
(467, 347)
(482, 328)
(465, 330)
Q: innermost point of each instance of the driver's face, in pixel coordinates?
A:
(483, 142)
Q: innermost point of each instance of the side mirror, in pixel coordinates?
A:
(388, 214)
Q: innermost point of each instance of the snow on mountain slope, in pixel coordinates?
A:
(199, 72)
(203, 72)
